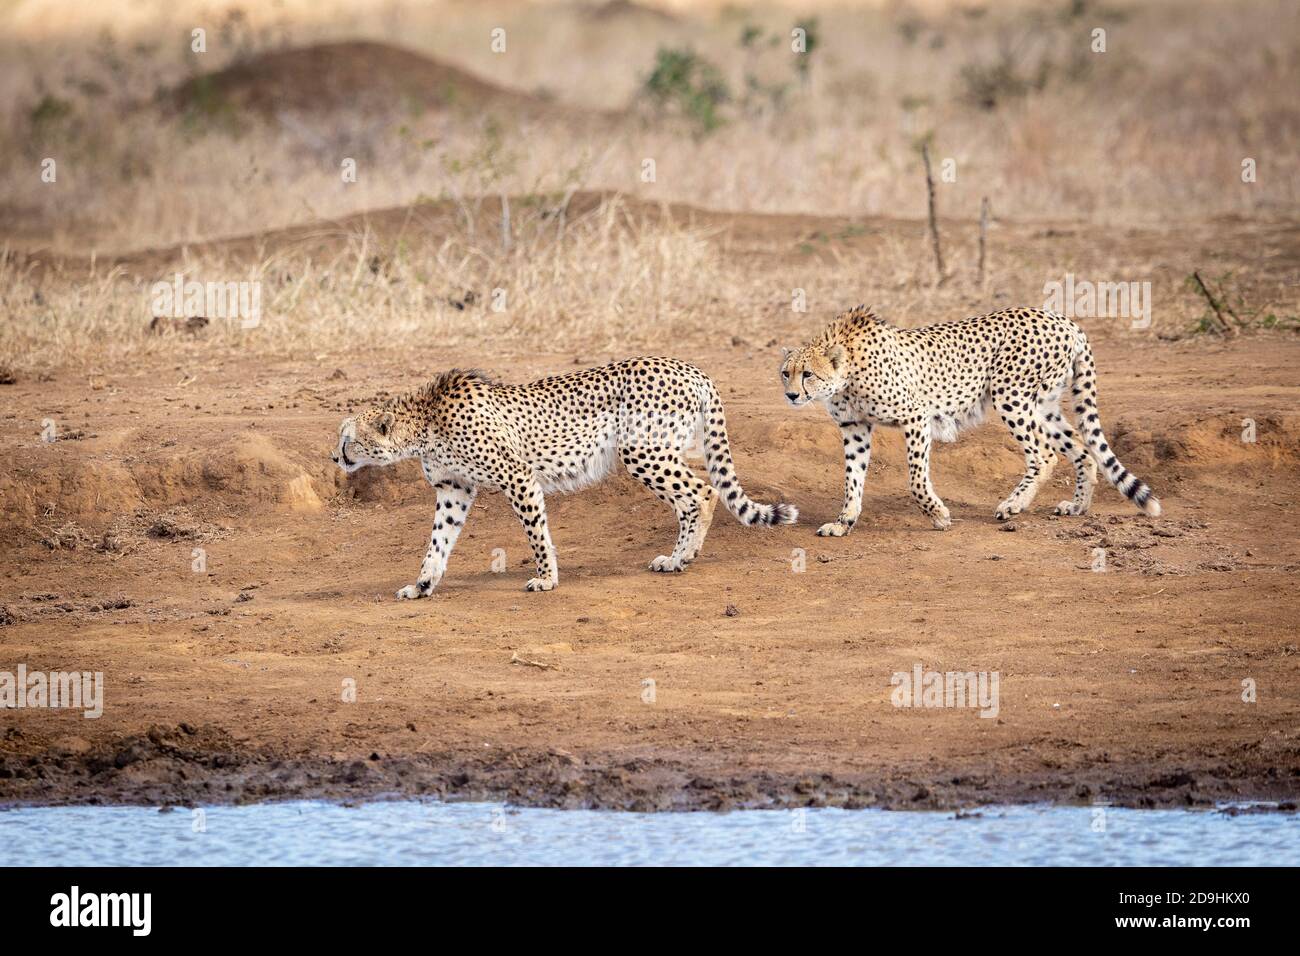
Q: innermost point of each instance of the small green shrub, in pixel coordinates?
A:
(684, 83)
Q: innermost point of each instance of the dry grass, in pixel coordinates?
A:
(609, 278)
(603, 280)
(1152, 131)
(1154, 128)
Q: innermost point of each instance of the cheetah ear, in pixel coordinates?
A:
(385, 424)
(836, 356)
(785, 353)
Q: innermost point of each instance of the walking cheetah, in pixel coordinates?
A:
(559, 433)
(936, 381)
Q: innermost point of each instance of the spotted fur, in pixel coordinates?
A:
(936, 381)
(558, 434)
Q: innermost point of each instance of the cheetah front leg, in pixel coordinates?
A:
(526, 499)
(450, 511)
(916, 435)
(857, 456)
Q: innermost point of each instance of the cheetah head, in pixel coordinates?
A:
(813, 373)
(377, 436)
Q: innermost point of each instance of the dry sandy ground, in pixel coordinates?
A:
(771, 684)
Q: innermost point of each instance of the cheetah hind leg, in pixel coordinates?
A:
(708, 501)
(671, 480)
(1030, 431)
(1084, 484)
(1066, 441)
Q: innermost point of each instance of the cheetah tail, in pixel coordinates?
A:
(1083, 397)
(722, 470)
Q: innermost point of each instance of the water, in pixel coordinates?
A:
(424, 833)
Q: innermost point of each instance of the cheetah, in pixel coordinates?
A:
(558, 434)
(936, 381)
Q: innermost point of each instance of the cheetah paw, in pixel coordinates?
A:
(1007, 510)
(413, 592)
(540, 584)
(942, 519)
(667, 563)
(1069, 508)
(833, 529)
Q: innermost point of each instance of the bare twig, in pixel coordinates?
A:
(516, 659)
(562, 213)
(505, 222)
(984, 228)
(934, 225)
(1225, 329)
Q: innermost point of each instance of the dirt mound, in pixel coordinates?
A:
(96, 488)
(253, 466)
(395, 485)
(355, 77)
(431, 221)
(1220, 442)
(95, 484)
(627, 11)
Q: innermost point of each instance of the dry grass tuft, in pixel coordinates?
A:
(604, 279)
(1010, 97)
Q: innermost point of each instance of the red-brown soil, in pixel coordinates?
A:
(771, 687)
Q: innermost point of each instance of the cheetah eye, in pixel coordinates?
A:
(807, 374)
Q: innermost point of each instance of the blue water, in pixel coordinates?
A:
(427, 833)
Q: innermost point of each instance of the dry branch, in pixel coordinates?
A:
(984, 228)
(934, 225)
(1225, 329)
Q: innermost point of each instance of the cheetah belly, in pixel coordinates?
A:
(945, 426)
(571, 449)
(582, 466)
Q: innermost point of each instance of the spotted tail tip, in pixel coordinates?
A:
(783, 513)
